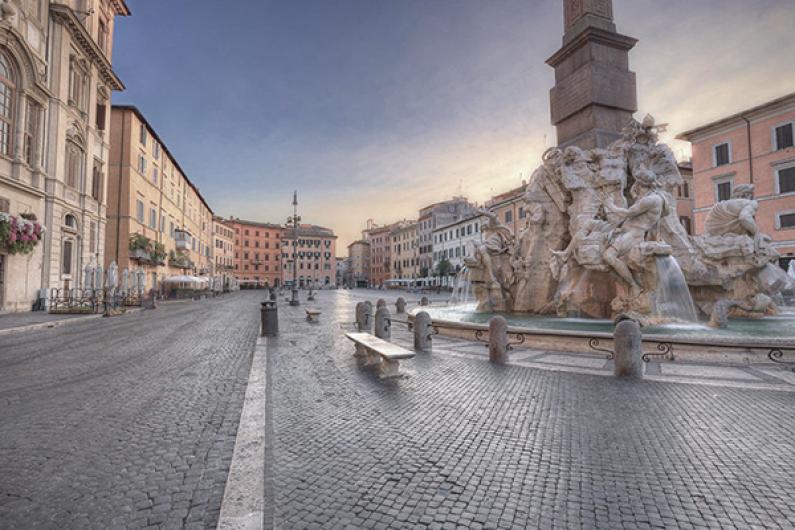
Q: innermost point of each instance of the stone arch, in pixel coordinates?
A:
(31, 79)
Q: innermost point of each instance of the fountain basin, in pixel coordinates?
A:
(743, 341)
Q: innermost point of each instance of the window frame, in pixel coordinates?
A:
(716, 182)
(778, 220)
(777, 173)
(728, 144)
(774, 139)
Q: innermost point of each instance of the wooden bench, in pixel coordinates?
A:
(312, 315)
(371, 351)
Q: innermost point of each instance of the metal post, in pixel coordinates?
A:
(295, 219)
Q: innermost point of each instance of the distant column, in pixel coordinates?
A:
(595, 93)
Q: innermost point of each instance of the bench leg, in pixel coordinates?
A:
(389, 369)
(360, 352)
(373, 359)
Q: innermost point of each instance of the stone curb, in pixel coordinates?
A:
(58, 323)
(243, 505)
(51, 324)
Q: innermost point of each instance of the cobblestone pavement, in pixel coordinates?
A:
(124, 422)
(462, 443)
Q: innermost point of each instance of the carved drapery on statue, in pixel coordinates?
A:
(598, 222)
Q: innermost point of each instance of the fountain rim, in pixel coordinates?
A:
(732, 343)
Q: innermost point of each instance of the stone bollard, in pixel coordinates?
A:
(400, 306)
(498, 340)
(380, 303)
(422, 332)
(151, 300)
(424, 300)
(364, 316)
(383, 324)
(627, 343)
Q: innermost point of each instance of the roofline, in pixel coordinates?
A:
(687, 135)
(121, 8)
(67, 16)
(140, 116)
(253, 223)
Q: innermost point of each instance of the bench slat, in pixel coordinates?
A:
(380, 346)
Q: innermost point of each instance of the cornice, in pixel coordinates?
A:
(66, 16)
(591, 34)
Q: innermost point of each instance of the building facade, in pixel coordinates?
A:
(406, 252)
(685, 203)
(56, 81)
(433, 216)
(756, 147)
(257, 253)
(315, 253)
(380, 241)
(510, 208)
(82, 80)
(455, 242)
(359, 264)
(223, 251)
(157, 219)
(342, 271)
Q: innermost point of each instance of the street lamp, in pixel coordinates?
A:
(295, 219)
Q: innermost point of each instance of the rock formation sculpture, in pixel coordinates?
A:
(598, 222)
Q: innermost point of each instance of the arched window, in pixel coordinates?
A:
(7, 89)
(70, 221)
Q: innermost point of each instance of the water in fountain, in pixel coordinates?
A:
(673, 296)
(462, 288)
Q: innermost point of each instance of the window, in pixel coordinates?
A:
(721, 154)
(154, 175)
(7, 94)
(78, 82)
(96, 181)
(784, 137)
(139, 210)
(152, 218)
(70, 221)
(162, 222)
(141, 164)
(786, 220)
(31, 136)
(100, 116)
(156, 150)
(786, 180)
(66, 257)
(724, 191)
(508, 216)
(142, 134)
(74, 164)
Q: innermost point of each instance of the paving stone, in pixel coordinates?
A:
(128, 420)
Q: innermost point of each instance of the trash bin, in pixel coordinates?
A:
(270, 319)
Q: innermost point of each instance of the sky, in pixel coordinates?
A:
(375, 108)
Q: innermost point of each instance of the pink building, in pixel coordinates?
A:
(751, 147)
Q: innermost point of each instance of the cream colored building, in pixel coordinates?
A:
(358, 269)
(316, 255)
(223, 250)
(405, 252)
(56, 81)
(151, 197)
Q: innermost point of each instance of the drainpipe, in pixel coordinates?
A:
(750, 158)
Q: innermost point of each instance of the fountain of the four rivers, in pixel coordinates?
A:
(602, 237)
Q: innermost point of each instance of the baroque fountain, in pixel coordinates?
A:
(602, 239)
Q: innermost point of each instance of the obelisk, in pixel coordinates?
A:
(594, 95)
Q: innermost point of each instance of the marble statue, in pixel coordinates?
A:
(598, 223)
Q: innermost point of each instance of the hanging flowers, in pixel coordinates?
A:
(19, 235)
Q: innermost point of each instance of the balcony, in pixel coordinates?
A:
(183, 239)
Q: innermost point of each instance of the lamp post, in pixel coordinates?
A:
(295, 219)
